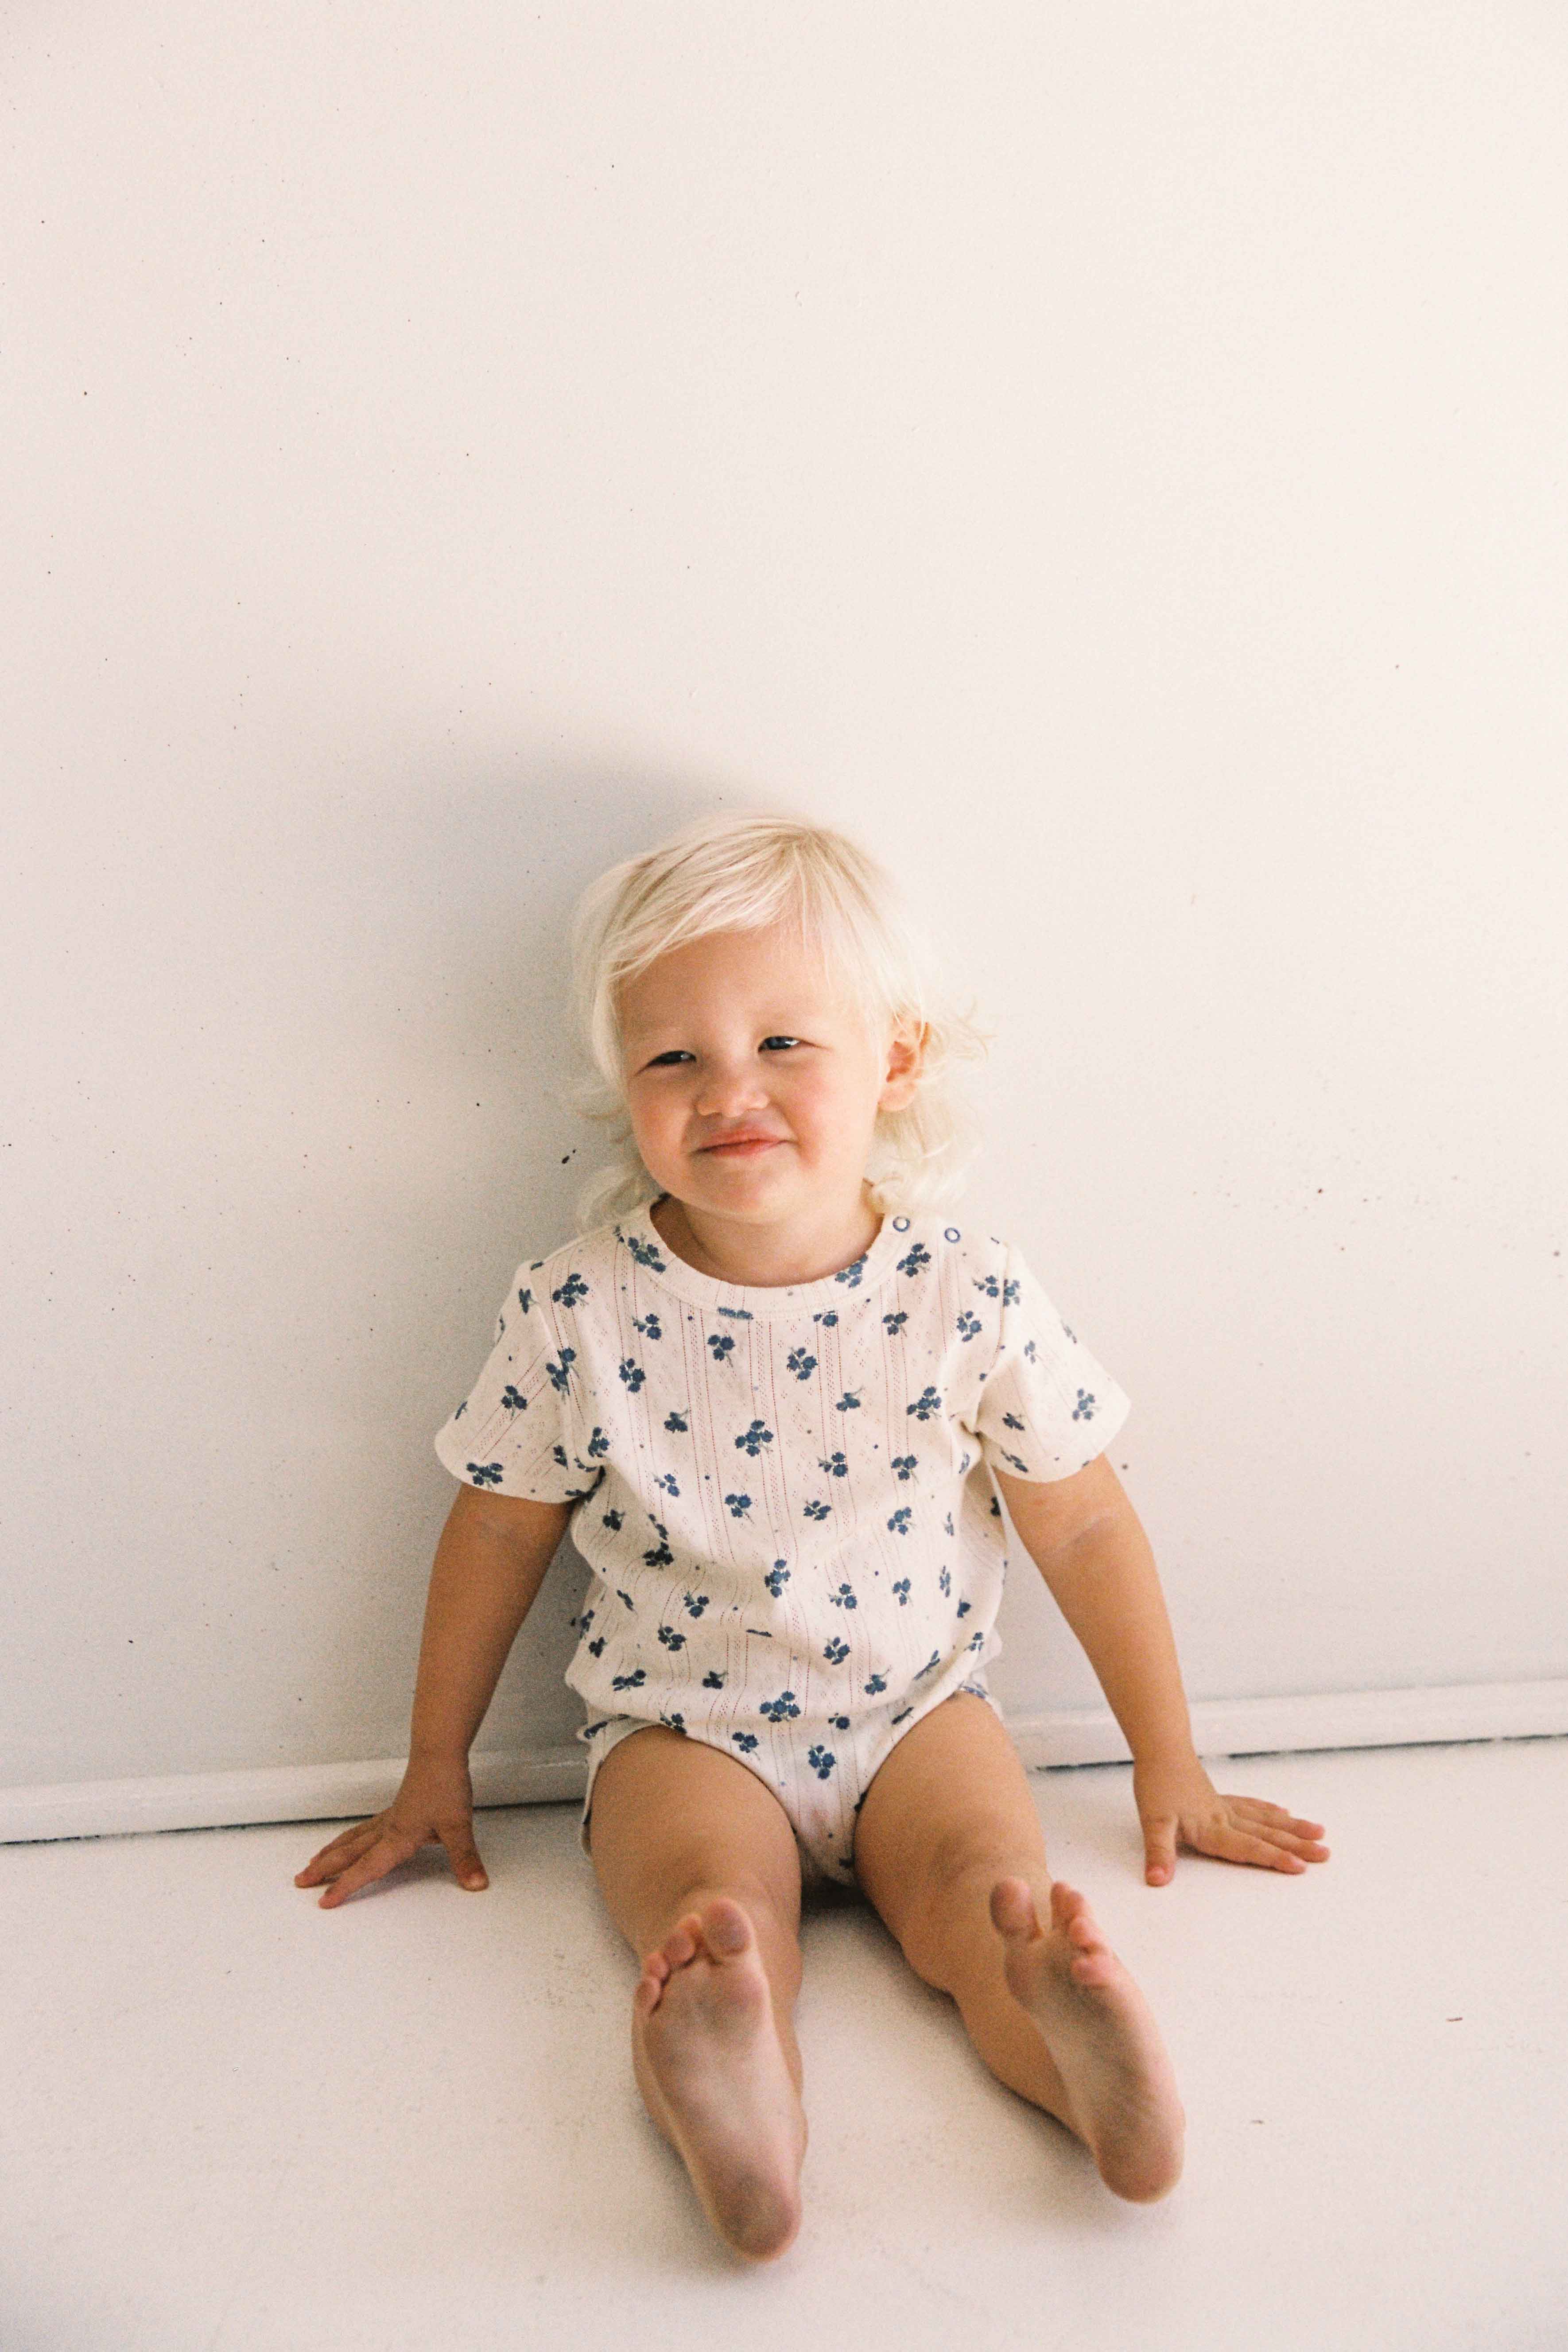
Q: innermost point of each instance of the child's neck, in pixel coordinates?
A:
(764, 1257)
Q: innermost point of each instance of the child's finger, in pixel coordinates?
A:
(1159, 1850)
(344, 1848)
(1231, 1844)
(384, 1856)
(468, 1870)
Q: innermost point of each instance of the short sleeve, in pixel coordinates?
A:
(1047, 1407)
(512, 1431)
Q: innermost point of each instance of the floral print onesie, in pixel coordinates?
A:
(783, 1493)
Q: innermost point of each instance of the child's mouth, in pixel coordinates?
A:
(740, 1150)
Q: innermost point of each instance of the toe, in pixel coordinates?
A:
(1013, 1911)
(726, 1930)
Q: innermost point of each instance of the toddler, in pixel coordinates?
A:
(775, 1388)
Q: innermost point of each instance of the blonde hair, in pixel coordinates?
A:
(743, 872)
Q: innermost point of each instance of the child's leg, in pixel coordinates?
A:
(949, 1850)
(699, 1871)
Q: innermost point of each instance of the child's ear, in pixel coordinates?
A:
(906, 1057)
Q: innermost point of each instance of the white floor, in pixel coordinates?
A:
(237, 2123)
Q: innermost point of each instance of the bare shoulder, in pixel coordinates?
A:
(1052, 1513)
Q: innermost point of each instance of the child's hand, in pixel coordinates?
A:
(434, 1803)
(1180, 1802)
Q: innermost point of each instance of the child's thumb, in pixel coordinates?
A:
(465, 1864)
(1160, 1850)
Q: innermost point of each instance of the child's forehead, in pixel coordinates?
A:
(735, 971)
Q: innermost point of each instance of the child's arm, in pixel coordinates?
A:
(1088, 1544)
(490, 1564)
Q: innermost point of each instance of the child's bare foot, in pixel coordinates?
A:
(704, 2016)
(1100, 2033)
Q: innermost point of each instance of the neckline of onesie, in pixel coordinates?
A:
(662, 1267)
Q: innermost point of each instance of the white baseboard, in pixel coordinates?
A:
(330, 1792)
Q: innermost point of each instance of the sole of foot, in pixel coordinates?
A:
(1101, 2035)
(704, 2016)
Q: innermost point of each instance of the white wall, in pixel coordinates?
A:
(1111, 458)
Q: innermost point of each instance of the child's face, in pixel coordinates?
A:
(742, 1034)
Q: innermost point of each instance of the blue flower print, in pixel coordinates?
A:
(514, 1399)
(628, 1682)
(945, 1581)
(1022, 1467)
(625, 1597)
(485, 1473)
(670, 1638)
(667, 1480)
(829, 1318)
(899, 1525)
(848, 1402)
(739, 1504)
(852, 1275)
(903, 1717)
(839, 1722)
(596, 1649)
(1010, 1293)
(844, 1598)
(736, 1313)
(926, 1403)
(821, 1760)
(877, 1684)
(835, 1466)
(1011, 1420)
(712, 1679)
(905, 1464)
(902, 1591)
(560, 1453)
(614, 1520)
(571, 1291)
(1084, 1409)
(969, 1324)
(677, 1424)
(561, 1372)
(721, 1344)
(1071, 1334)
(694, 1607)
(934, 1659)
(776, 1578)
(918, 1255)
(632, 1372)
(744, 1739)
(673, 1722)
(460, 1410)
(965, 1607)
(893, 1324)
(977, 1638)
(988, 1286)
(801, 1363)
(837, 1650)
(776, 1710)
(645, 1253)
(1030, 1351)
(660, 1557)
(525, 1299)
(598, 1443)
(755, 1438)
(815, 1510)
(649, 1325)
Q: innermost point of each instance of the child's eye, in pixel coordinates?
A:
(679, 1053)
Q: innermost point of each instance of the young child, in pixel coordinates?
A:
(776, 1390)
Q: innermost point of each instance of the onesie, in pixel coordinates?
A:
(783, 1493)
